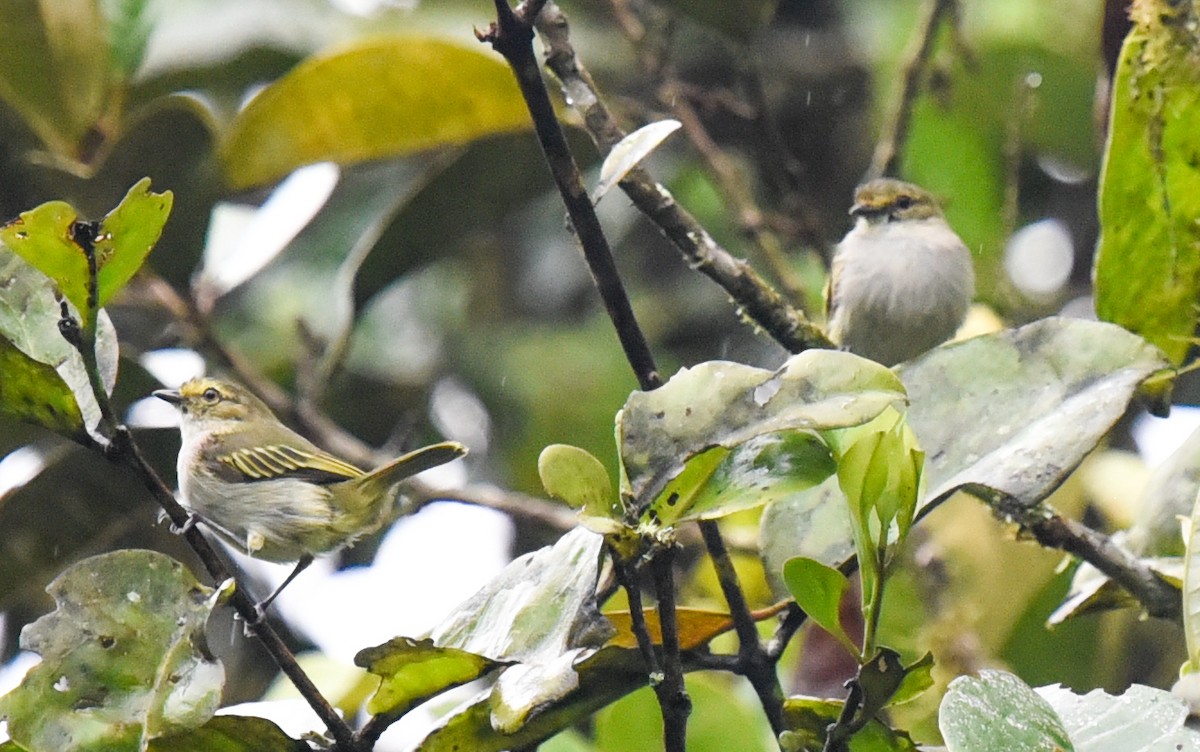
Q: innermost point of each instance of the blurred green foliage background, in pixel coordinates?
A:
(441, 252)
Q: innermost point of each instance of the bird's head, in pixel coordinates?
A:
(889, 200)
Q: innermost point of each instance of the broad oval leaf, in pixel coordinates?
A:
(998, 712)
(44, 237)
(123, 657)
(575, 476)
(1148, 258)
(722, 404)
(1018, 410)
(385, 97)
(629, 151)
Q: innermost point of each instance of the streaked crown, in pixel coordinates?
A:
(890, 200)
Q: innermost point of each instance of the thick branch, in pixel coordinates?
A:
(756, 300)
(672, 694)
(1157, 596)
(754, 663)
(512, 37)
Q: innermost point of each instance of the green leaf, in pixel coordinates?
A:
(1143, 719)
(44, 237)
(575, 476)
(1147, 274)
(412, 671)
(603, 677)
(918, 677)
(126, 236)
(720, 482)
(807, 719)
(631, 150)
(51, 238)
(721, 404)
(1018, 410)
(998, 712)
(34, 392)
(384, 97)
(818, 590)
(123, 657)
(231, 733)
(29, 318)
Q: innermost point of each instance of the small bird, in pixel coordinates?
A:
(902, 280)
(271, 492)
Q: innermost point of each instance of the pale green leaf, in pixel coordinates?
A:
(1018, 410)
(997, 712)
(629, 151)
(813, 523)
(1142, 719)
(541, 605)
(123, 657)
(721, 404)
(29, 318)
(575, 476)
(384, 97)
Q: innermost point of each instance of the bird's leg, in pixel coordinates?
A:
(183, 529)
(261, 609)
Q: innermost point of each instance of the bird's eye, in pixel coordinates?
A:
(903, 202)
(211, 396)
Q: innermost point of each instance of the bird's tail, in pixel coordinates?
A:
(382, 478)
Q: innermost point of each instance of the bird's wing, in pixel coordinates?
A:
(280, 461)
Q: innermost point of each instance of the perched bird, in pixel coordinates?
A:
(902, 280)
(271, 492)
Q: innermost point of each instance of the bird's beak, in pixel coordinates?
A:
(169, 395)
(859, 210)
